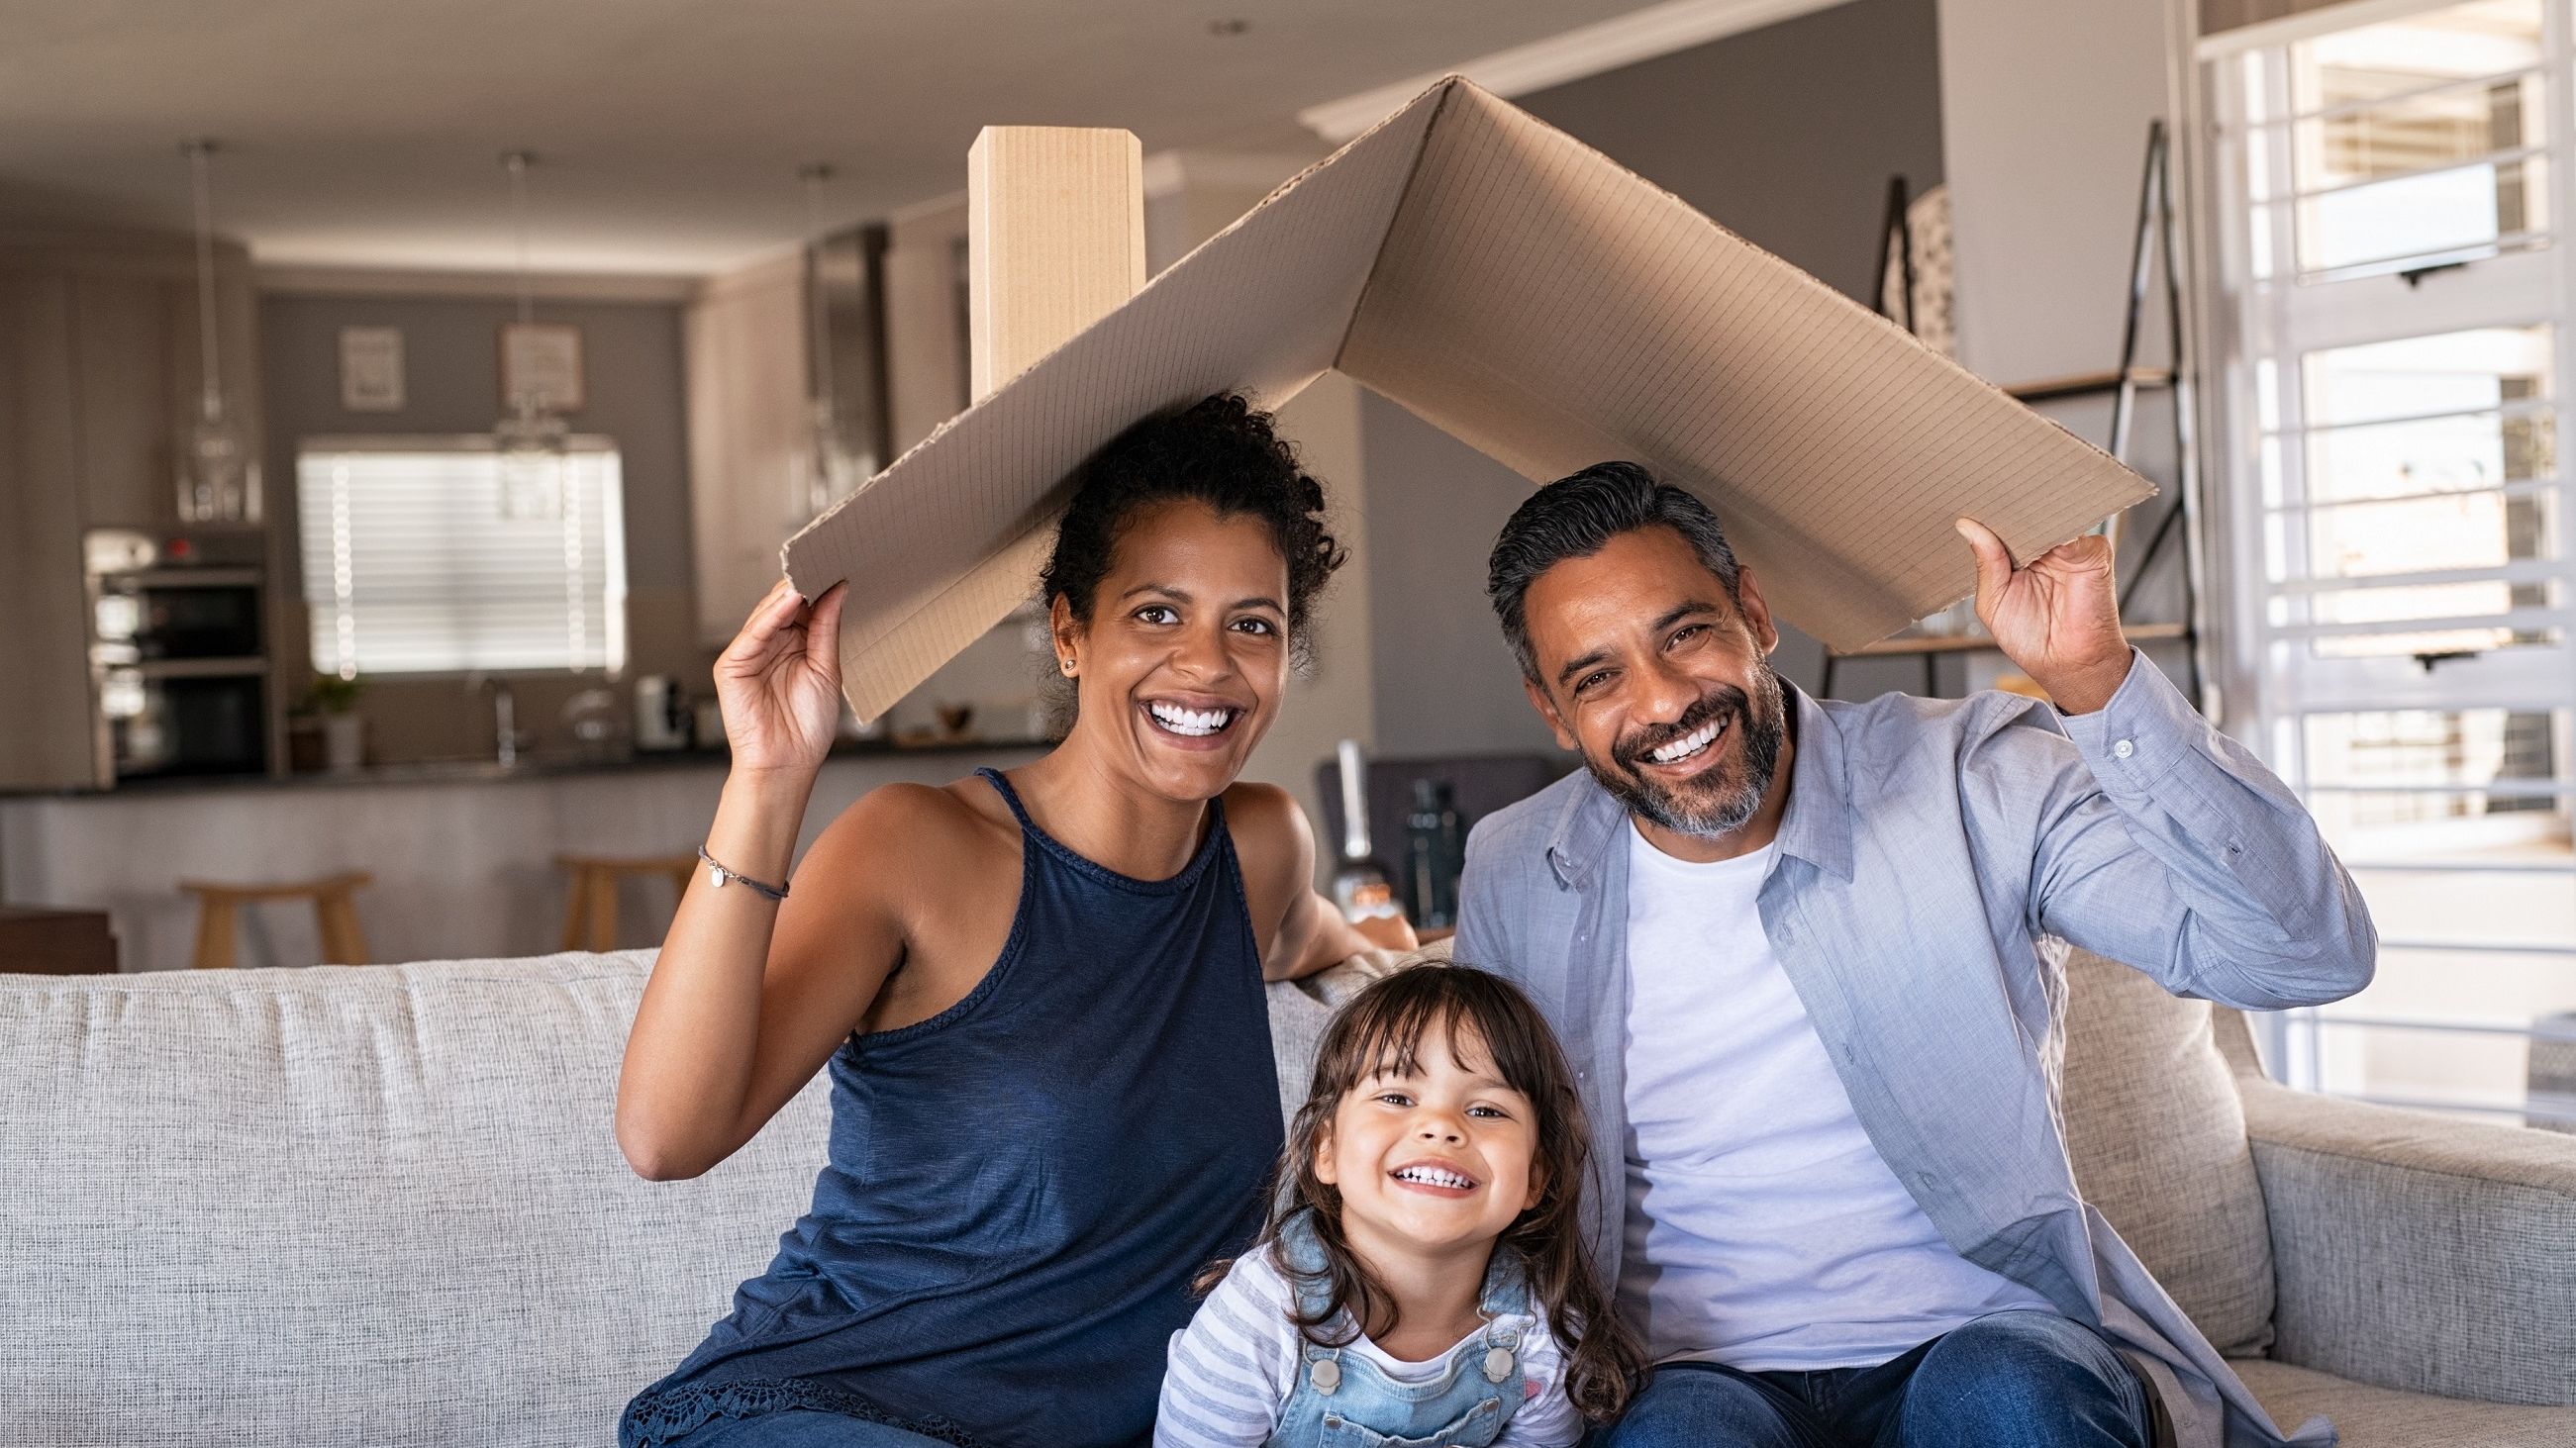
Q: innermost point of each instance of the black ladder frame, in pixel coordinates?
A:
(2155, 228)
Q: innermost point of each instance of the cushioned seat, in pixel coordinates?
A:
(2406, 1275)
(2385, 1418)
(382, 1205)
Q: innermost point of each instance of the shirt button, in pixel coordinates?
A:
(2124, 749)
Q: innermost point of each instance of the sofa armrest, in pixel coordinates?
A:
(2419, 1252)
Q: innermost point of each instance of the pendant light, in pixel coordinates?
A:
(530, 439)
(830, 472)
(218, 477)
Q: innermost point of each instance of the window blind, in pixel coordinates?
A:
(411, 567)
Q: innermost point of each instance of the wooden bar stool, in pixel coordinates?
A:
(590, 916)
(219, 911)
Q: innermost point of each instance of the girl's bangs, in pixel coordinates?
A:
(1384, 1038)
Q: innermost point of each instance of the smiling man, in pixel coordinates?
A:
(1806, 958)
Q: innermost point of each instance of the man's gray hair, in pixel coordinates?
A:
(1574, 517)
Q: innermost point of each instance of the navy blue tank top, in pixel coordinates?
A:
(1020, 1188)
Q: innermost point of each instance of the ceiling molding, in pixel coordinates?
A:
(1590, 50)
(337, 281)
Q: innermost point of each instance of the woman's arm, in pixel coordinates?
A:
(730, 1028)
(750, 996)
(1277, 848)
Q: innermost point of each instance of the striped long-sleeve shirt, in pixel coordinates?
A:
(1233, 1368)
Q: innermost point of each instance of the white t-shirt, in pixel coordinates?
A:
(1234, 1366)
(1763, 1229)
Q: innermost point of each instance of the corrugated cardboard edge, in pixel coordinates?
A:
(1828, 568)
(865, 681)
(880, 665)
(1438, 94)
(786, 564)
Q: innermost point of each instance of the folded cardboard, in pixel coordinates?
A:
(1534, 299)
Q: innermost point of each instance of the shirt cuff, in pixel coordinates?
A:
(2135, 739)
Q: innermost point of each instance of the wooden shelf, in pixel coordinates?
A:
(1906, 648)
(2088, 384)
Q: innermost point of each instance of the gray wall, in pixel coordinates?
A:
(631, 353)
(2045, 126)
(1787, 135)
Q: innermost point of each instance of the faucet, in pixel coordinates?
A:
(505, 725)
(505, 722)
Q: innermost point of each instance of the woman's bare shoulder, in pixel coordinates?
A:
(1276, 848)
(1267, 820)
(906, 829)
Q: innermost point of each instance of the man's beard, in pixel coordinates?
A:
(1723, 798)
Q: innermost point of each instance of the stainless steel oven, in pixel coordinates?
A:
(178, 652)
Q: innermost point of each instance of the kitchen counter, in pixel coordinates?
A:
(462, 854)
(530, 766)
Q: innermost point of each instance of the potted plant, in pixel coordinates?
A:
(334, 700)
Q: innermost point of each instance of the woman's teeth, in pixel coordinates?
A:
(1689, 744)
(1432, 1176)
(1196, 723)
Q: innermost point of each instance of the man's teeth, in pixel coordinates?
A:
(1196, 722)
(1688, 745)
(1434, 1176)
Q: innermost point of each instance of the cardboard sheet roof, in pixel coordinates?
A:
(1531, 297)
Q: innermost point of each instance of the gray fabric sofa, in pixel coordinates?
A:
(381, 1205)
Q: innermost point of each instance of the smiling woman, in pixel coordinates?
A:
(1039, 996)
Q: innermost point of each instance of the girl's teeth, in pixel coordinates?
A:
(1431, 1177)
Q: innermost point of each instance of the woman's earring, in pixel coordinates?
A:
(1065, 662)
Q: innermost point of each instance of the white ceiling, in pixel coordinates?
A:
(668, 132)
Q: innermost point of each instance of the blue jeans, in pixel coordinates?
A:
(2010, 1380)
(800, 1428)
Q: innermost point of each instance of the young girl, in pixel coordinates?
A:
(1422, 1277)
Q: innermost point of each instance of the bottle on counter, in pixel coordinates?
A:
(1435, 854)
(1361, 886)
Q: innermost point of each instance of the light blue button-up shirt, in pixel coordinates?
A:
(1932, 857)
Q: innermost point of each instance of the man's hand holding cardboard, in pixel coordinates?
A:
(2057, 616)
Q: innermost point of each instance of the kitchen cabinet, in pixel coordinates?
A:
(750, 435)
(99, 379)
(899, 344)
(46, 737)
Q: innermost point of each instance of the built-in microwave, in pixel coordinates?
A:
(178, 652)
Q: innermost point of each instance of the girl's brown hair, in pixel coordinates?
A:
(1381, 1031)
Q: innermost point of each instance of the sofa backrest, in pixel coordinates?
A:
(2156, 1133)
(382, 1204)
(376, 1205)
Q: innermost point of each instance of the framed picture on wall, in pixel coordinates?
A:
(371, 369)
(541, 361)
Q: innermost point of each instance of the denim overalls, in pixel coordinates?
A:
(1342, 1400)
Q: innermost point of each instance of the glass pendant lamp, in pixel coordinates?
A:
(531, 439)
(830, 473)
(218, 476)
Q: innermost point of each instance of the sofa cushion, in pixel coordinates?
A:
(375, 1204)
(2157, 1137)
(2369, 1417)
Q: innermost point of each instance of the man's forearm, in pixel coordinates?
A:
(2278, 921)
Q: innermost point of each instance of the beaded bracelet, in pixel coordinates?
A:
(718, 876)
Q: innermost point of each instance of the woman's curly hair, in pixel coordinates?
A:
(1220, 451)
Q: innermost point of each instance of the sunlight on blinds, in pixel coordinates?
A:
(410, 567)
